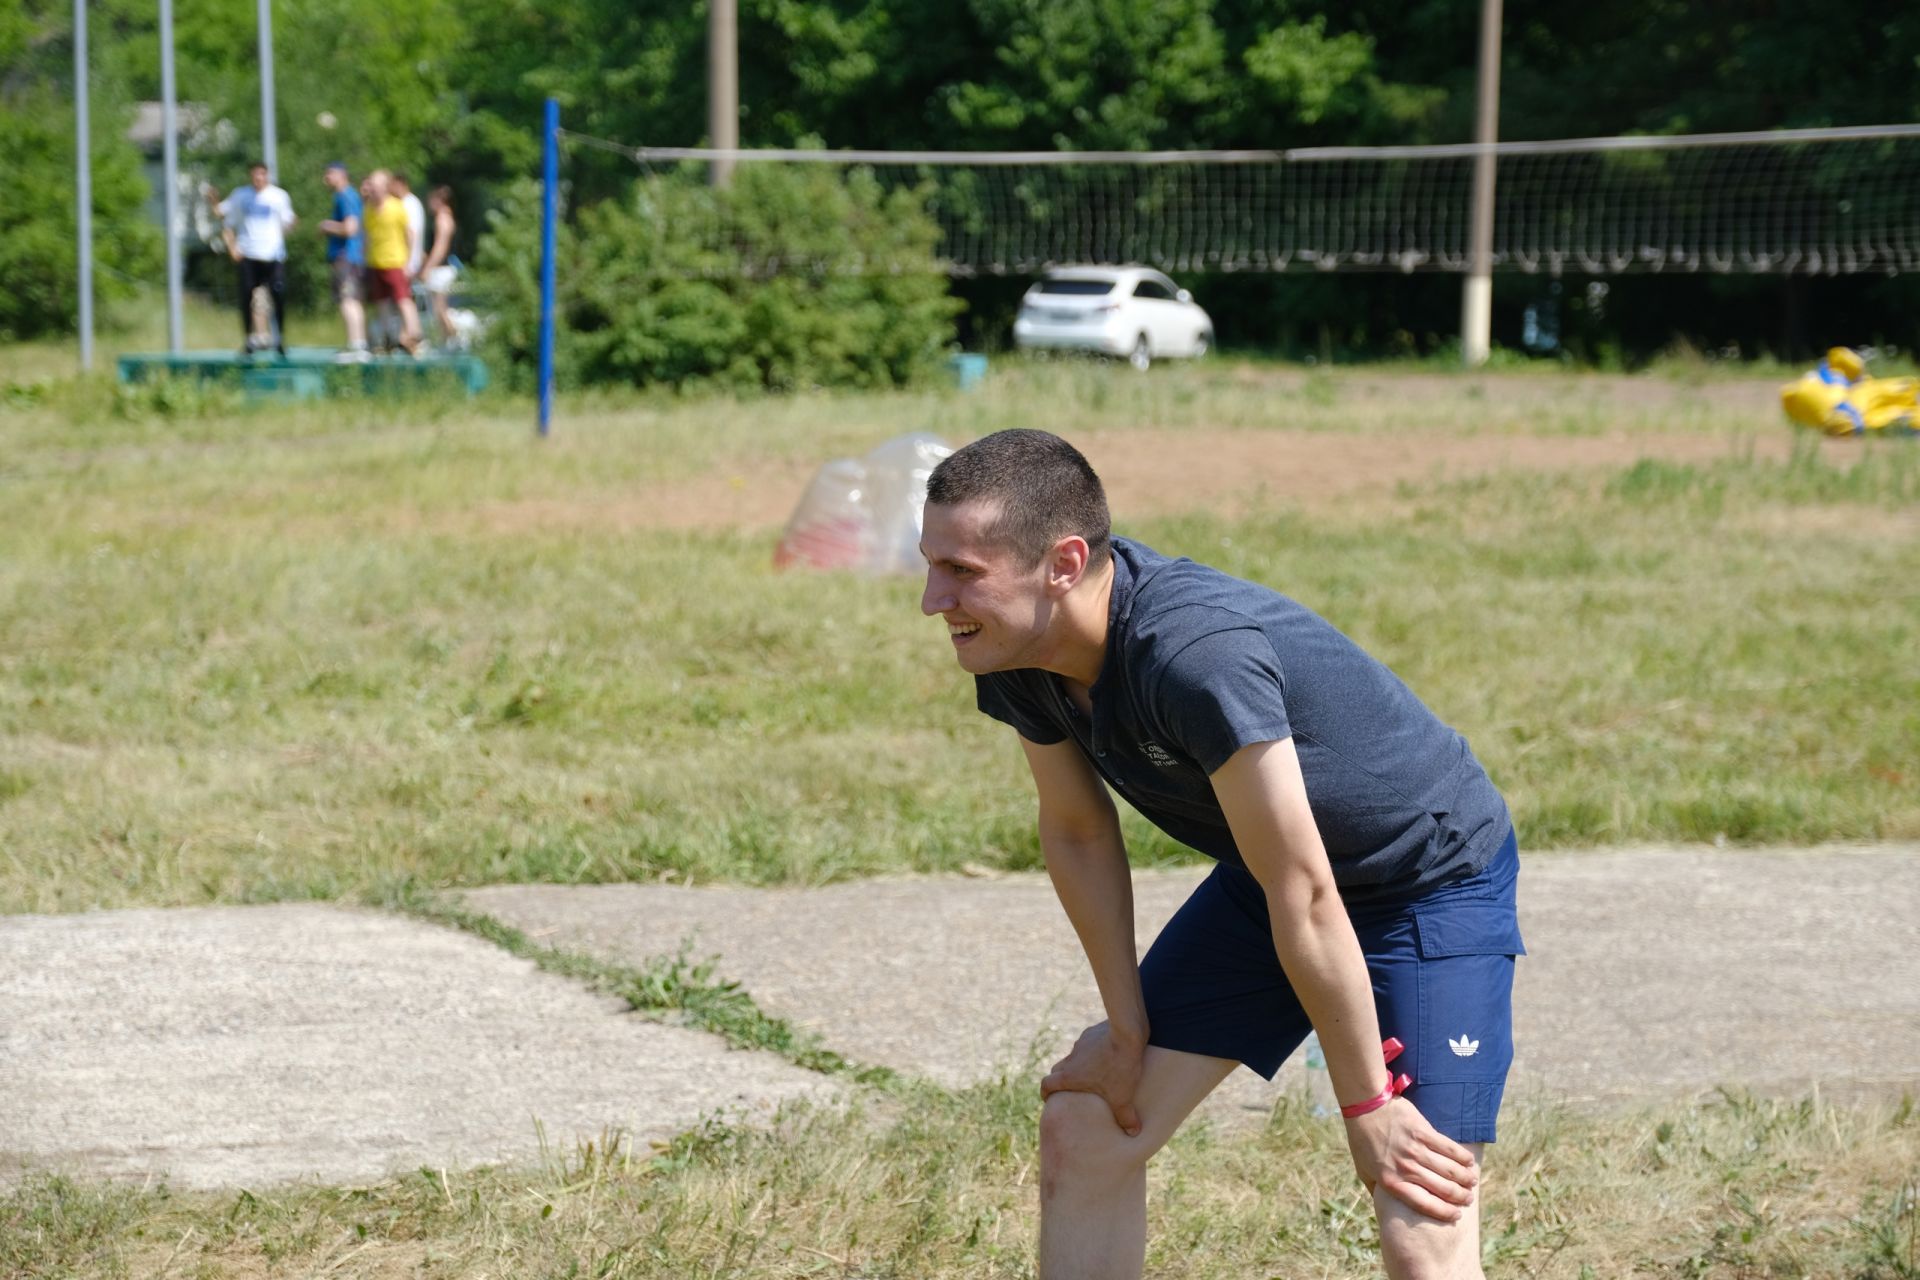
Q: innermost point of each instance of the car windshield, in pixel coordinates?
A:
(1080, 288)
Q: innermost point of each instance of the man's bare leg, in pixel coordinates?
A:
(354, 317)
(409, 324)
(1416, 1247)
(1093, 1177)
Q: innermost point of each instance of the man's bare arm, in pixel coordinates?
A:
(442, 241)
(1087, 861)
(1264, 797)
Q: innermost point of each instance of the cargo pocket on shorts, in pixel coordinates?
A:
(1467, 950)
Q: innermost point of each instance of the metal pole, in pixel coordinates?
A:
(549, 215)
(83, 180)
(170, 144)
(269, 135)
(723, 84)
(1476, 306)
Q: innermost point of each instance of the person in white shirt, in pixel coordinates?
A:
(257, 218)
(416, 222)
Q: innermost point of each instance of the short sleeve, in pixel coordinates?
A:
(1222, 692)
(232, 209)
(1001, 698)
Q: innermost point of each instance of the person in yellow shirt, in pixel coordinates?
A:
(389, 246)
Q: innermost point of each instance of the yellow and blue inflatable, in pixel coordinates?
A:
(1840, 399)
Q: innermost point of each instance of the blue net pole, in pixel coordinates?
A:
(549, 215)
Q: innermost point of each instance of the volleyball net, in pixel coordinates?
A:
(1806, 202)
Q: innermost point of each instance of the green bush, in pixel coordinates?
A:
(789, 278)
(39, 252)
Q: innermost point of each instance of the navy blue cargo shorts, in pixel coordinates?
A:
(1442, 970)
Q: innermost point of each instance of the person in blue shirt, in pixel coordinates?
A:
(346, 259)
(1365, 864)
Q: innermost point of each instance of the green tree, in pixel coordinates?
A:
(39, 222)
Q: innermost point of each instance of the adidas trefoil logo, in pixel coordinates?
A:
(1464, 1047)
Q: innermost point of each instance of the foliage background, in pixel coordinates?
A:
(452, 92)
(645, 298)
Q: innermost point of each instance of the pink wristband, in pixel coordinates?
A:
(1390, 1049)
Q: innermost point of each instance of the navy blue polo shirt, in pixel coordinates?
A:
(1200, 664)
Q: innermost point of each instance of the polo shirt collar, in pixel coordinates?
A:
(1119, 614)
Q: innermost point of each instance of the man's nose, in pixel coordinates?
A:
(936, 598)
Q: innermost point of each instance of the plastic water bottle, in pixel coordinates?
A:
(1319, 1084)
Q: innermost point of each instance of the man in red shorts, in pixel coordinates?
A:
(389, 245)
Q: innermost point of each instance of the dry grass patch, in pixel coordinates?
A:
(916, 1183)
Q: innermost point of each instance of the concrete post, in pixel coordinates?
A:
(1476, 306)
(723, 84)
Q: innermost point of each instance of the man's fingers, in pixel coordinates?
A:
(1446, 1146)
(1061, 1080)
(1128, 1119)
(1436, 1183)
(1419, 1199)
(1465, 1174)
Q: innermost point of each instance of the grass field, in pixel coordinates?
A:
(315, 652)
(924, 1184)
(363, 652)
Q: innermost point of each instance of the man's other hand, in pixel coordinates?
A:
(1102, 1063)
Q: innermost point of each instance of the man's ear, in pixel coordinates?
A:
(1067, 564)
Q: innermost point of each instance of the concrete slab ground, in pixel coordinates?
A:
(1653, 972)
(250, 1045)
(253, 1045)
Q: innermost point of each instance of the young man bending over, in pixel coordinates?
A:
(1365, 886)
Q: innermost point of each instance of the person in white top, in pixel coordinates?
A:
(257, 218)
(441, 268)
(416, 221)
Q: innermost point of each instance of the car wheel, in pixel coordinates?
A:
(1202, 344)
(1140, 357)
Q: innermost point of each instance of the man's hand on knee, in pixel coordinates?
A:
(1104, 1064)
(1396, 1148)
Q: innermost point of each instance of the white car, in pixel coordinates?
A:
(1120, 311)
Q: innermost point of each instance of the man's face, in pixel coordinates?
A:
(377, 186)
(995, 608)
(337, 179)
(258, 177)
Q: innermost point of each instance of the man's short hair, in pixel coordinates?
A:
(1044, 487)
(257, 164)
(399, 176)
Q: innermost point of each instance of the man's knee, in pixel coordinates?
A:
(1081, 1142)
(1415, 1247)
